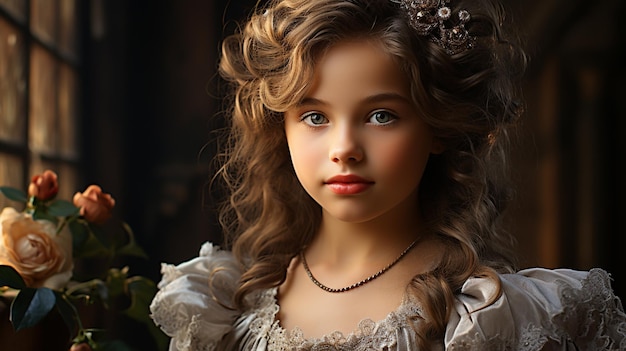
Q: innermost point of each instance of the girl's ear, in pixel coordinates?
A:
(437, 147)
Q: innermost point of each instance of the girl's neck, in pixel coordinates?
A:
(341, 243)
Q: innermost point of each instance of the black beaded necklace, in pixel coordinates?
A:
(359, 283)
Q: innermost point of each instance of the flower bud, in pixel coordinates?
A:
(44, 186)
(80, 347)
(95, 206)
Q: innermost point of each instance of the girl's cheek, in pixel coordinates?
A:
(402, 159)
(305, 153)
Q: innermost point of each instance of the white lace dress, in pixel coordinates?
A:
(539, 309)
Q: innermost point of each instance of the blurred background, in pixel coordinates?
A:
(124, 94)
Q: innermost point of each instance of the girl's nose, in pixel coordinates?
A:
(345, 146)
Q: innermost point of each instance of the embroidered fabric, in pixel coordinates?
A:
(369, 335)
(586, 315)
(539, 309)
(594, 313)
(191, 305)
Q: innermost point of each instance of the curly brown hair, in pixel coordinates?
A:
(469, 99)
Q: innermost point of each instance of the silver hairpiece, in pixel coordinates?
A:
(432, 18)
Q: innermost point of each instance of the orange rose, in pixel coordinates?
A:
(95, 205)
(35, 250)
(44, 186)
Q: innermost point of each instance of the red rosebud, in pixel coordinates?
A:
(80, 347)
(95, 206)
(44, 186)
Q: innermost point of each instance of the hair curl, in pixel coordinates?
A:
(469, 99)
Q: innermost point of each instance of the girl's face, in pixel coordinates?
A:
(357, 145)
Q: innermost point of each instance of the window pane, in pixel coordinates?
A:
(37, 166)
(11, 175)
(12, 84)
(68, 24)
(16, 7)
(42, 131)
(43, 17)
(68, 112)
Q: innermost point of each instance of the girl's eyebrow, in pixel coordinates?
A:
(311, 101)
(388, 96)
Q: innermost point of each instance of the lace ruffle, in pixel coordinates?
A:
(595, 314)
(539, 310)
(191, 305)
(578, 312)
(369, 335)
(591, 318)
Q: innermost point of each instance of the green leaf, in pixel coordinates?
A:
(131, 248)
(80, 234)
(68, 312)
(41, 213)
(62, 208)
(161, 340)
(11, 278)
(85, 243)
(30, 306)
(141, 291)
(14, 194)
(91, 291)
(116, 281)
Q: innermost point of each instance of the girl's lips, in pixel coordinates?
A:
(348, 188)
(348, 184)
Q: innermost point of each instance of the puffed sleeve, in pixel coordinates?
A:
(539, 309)
(192, 304)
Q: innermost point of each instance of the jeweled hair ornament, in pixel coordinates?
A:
(434, 18)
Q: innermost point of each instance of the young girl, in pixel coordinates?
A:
(365, 166)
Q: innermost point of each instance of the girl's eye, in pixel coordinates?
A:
(314, 119)
(382, 118)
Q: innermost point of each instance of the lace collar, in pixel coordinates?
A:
(368, 334)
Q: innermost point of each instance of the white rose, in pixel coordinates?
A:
(41, 256)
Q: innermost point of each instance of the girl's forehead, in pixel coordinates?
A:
(353, 68)
(351, 55)
(356, 50)
(360, 49)
(356, 56)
